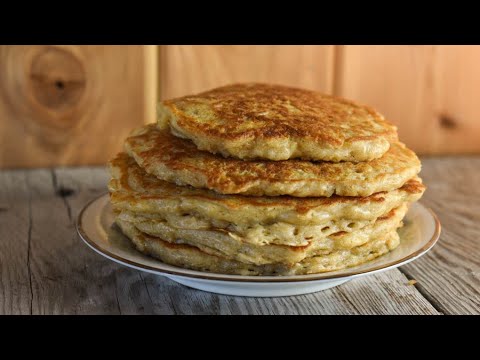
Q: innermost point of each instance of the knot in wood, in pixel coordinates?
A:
(57, 78)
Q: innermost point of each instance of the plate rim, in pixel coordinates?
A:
(245, 278)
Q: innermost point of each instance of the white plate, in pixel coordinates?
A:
(95, 225)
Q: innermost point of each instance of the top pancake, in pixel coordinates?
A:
(260, 121)
(177, 160)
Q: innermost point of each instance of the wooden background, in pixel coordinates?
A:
(73, 105)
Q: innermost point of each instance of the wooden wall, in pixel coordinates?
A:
(430, 92)
(73, 105)
(190, 69)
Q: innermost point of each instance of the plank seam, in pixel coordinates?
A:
(148, 292)
(56, 190)
(30, 227)
(338, 69)
(435, 304)
(118, 302)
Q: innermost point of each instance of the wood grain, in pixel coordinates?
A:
(190, 69)
(64, 105)
(449, 275)
(65, 278)
(430, 92)
(74, 105)
(15, 231)
(150, 55)
(378, 294)
(46, 269)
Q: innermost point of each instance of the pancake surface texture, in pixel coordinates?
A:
(221, 243)
(283, 220)
(192, 257)
(179, 161)
(260, 121)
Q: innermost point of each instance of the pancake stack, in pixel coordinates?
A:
(257, 179)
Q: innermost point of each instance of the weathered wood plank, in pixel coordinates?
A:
(66, 278)
(15, 289)
(126, 290)
(385, 293)
(449, 275)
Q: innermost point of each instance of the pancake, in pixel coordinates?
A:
(221, 243)
(179, 161)
(279, 233)
(191, 257)
(282, 220)
(260, 121)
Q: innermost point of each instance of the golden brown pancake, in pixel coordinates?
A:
(282, 220)
(192, 257)
(179, 161)
(220, 242)
(260, 121)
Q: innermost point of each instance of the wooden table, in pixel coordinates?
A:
(46, 269)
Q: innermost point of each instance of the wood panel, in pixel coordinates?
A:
(190, 69)
(449, 275)
(73, 105)
(62, 105)
(430, 92)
